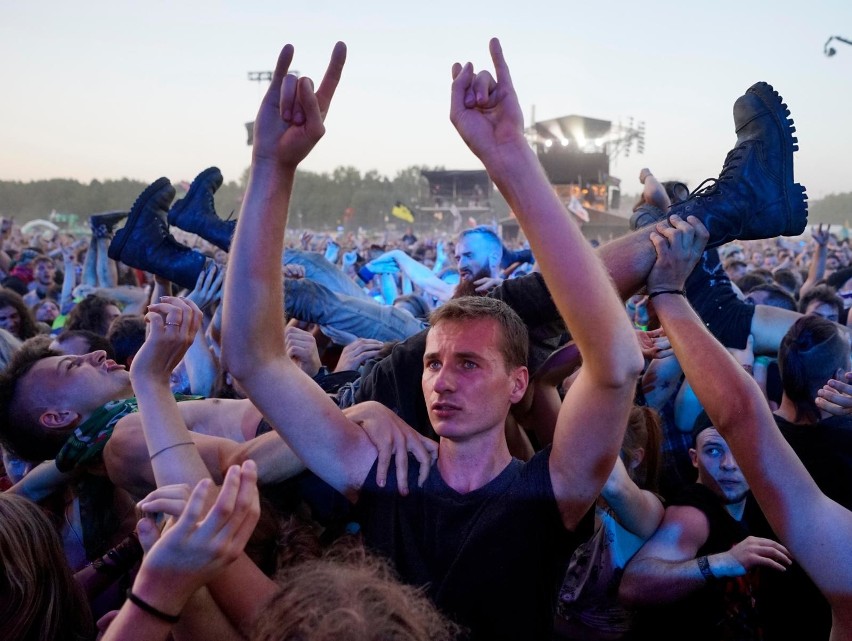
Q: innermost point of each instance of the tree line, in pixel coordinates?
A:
(344, 196)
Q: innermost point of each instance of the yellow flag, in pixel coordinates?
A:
(401, 211)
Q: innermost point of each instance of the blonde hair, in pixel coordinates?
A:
(39, 598)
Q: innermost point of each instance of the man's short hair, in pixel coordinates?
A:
(126, 336)
(823, 294)
(21, 430)
(94, 342)
(514, 337)
(787, 280)
(487, 232)
(775, 296)
(810, 354)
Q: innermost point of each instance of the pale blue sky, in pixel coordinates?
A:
(97, 89)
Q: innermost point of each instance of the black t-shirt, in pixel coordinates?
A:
(825, 449)
(492, 559)
(721, 610)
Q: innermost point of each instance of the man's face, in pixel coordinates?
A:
(10, 320)
(47, 311)
(44, 271)
(826, 310)
(472, 253)
(717, 468)
(465, 383)
(82, 383)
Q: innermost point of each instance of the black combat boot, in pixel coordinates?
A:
(196, 212)
(754, 196)
(103, 224)
(145, 242)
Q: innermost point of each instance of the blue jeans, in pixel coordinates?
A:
(344, 318)
(319, 270)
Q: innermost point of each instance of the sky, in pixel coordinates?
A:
(106, 90)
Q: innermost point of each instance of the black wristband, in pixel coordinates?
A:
(679, 292)
(704, 566)
(150, 609)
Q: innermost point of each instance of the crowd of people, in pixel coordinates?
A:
(225, 429)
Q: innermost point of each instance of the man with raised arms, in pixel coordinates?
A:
(487, 534)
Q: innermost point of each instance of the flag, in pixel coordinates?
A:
(402, 212)
(576, 208)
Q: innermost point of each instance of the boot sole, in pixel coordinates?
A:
(116, 247)
(179, 206)
(794, 193)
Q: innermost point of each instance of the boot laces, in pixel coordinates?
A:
(711, 186)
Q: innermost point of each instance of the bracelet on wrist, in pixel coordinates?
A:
(150, 609)
(706, 571)
(168, 447)
(678, 292)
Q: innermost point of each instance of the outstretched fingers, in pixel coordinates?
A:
(501, 68)
(331, 78)
(273, 93)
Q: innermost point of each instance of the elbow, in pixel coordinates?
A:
(630, 591)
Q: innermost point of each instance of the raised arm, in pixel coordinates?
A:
(594, 413)
(793, 504)
(288, 125)
(419, 274)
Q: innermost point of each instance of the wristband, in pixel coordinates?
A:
(150, 609)
(706, 572)
(158, 452)
(679, 292)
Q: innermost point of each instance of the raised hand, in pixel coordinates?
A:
(835, 397)
(393, 438)
(201, 541)
(820, 236)
(748, 554)
(485, 111)
(208, 287)
(171, 327)
(290, 119)
(679, 247)
(356, 353)
(302, 349)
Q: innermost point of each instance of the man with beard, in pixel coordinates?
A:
(479, 253)
(700, 564)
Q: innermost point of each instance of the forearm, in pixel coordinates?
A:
(172, 452)
(253, 321)
(389, 291)
(571, 270)
(241, 591)
(639, 511)
(42, 481)
(654, 193)
(423, 277)
(816, 270)
(69, 281)
(652, 581)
